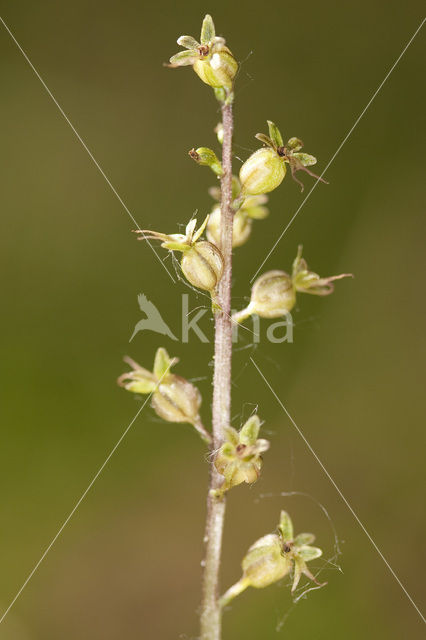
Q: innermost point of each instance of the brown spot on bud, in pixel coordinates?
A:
(194, 155)
(204, 50)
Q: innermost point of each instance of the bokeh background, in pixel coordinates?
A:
(128, 563)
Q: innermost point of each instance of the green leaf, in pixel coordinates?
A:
(141, 385)
(207, 30)
(256, 213)
(265, 140)
(188, 42)
(294, 144)
(299, 263)
(175, 246)
(183, 59)
(304, 539)
(189, 230)
(308, 553)
(231, 435)
(162, 363)
(250, 431)
(275, 134)
(286, 527)
(200, 231)
(305, 159)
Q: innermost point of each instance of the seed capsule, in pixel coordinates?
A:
(202, 265)
(272, 296)
(177, 400)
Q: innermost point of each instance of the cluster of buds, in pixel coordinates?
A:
(210, 58)
(273, 557)
(273, 294)
(202, 261)
(247, 208)
(265, 169)
(172, 397)
(239, 459)
(252, 208)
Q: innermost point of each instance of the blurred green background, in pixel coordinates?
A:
(128, 563)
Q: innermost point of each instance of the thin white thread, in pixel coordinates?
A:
(79, 501)
(341, 145)
(84, 145)
(339, 492)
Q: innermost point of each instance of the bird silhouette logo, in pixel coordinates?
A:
(153, 320)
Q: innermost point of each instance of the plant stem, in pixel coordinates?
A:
(211, 610)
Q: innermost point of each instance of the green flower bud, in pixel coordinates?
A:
(265, 563)
(272, 296)
(207, 157)
(173, 398)
(202, 262)
(262, 172)
(219, 69)
(239, 459)
(274, 556)
(210, 58)
(274, 293)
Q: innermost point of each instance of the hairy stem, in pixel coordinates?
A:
(211, 610)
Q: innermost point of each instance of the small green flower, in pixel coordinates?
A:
(307, 281)
(273, 557)
(210, 58)
(173, 398)
(298, 550)
(202, 262)
(239, 459)
(265, 169)
(273, 294)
